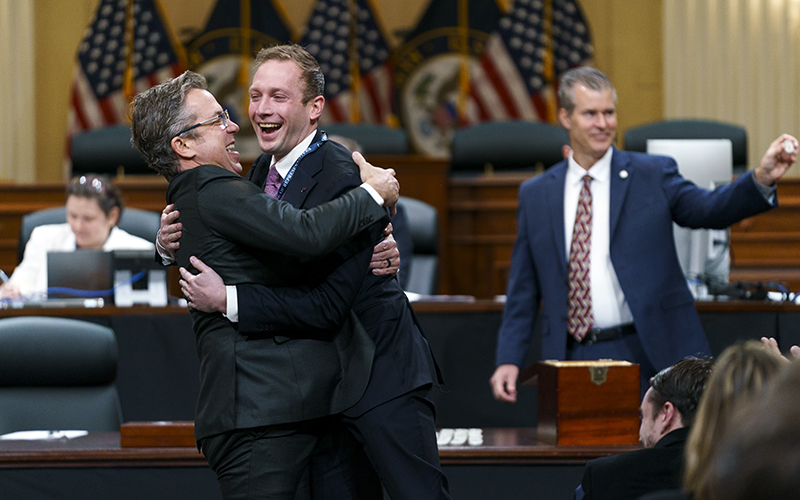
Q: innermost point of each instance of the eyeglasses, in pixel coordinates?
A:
(224, 116)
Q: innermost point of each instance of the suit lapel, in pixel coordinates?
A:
(554, 191)
(303, 180)
(300, 186)
(621, 172)
(258, 172)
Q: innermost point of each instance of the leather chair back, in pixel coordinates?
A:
(57, 373)
(423, 225)
(507, 145)
(372, 139)
(106, 151)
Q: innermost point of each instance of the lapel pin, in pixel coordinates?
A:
(623, 174)
(303, 190)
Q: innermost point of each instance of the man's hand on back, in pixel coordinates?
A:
(204, 291)
(169, 233)
(383, 180)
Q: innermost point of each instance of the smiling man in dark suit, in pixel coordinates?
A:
(265, 397)
(394, 420)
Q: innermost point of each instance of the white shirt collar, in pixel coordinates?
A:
(600, 171)
(287, 161)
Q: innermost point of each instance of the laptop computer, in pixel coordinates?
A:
(80, 274)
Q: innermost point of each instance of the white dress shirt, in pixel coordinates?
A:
(609, 307)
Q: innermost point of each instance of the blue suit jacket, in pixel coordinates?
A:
(644, 204)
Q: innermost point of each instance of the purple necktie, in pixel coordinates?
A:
(273, 181)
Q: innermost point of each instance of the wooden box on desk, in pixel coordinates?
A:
(588, 402)
(157, 434)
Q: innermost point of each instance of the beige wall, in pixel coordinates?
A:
(627, 37)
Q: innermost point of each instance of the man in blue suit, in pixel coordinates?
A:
(625, 296)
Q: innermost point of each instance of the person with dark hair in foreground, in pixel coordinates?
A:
(667, 410)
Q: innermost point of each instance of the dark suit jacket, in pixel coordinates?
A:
(403, 359)
(256, 380)
(631, 475)
(644, 204)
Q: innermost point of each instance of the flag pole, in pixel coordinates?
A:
(463, 49)
(127, 77)
(549, 71)
(244, 65)
(355, 70)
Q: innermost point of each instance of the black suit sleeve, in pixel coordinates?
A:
(322, 307)
(240, 212)
(261, 309)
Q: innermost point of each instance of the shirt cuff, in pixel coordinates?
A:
(374, 193)
(768, 192)
(166, 258)
(233, 303)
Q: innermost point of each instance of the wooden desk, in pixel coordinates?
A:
(510, 464)
(157, 377)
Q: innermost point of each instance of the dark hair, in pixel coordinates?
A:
(758, 455)
(585, 75)
(311, 73)
(681, 384)
(157, 115)
(98, 188)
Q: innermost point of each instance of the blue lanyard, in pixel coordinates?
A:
(290, 173)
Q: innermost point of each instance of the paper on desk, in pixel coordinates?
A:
(40, 435)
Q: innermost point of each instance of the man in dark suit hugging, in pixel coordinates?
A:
(265, 397)
(394, 421)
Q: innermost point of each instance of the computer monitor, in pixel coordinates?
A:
(139, 279)
(703, 253)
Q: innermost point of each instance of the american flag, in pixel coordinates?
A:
(328, 38)
(511, 82)
(98, 99)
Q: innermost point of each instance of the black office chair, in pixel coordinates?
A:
(507, 145)
(636, 137)
(106, 151)
(57, 373)
(372, 139)
(423, 264)
(141, 223)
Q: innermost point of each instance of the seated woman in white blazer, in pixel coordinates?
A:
(94, 207)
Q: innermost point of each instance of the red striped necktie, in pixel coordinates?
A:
(579, 313)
